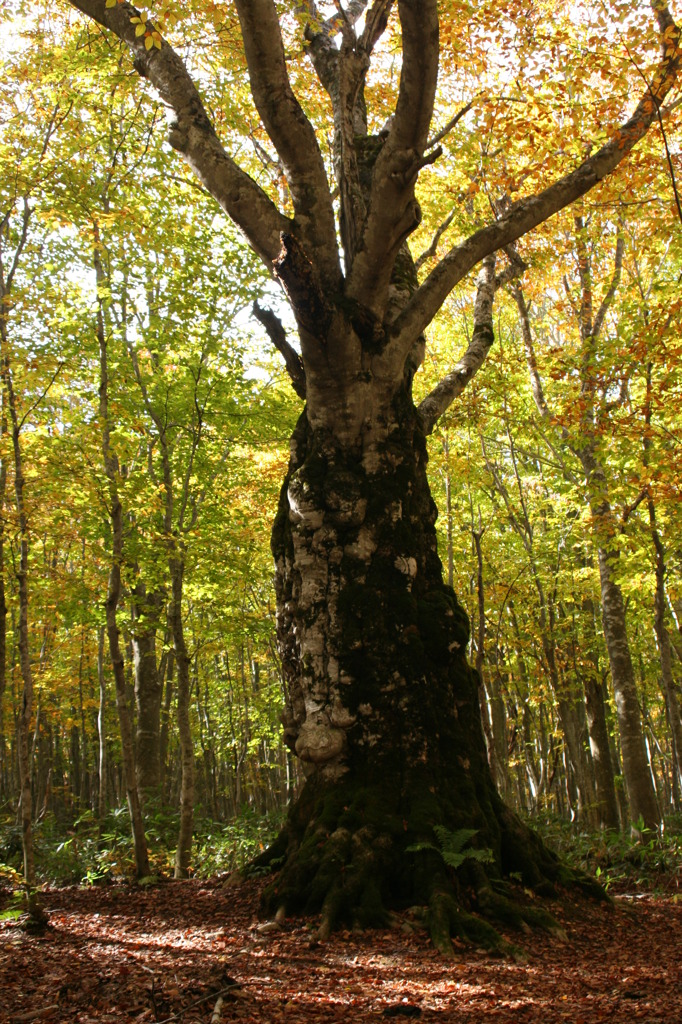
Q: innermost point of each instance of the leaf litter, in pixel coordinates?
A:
(192, 951)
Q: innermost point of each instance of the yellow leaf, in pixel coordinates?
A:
(148, 43)
(140, 30)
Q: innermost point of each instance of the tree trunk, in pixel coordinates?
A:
(114, 590)
(382, 706)
(101, 730)
(148, 691)
(183, 853)
(664, 647)
(35, 911)
(641, 794)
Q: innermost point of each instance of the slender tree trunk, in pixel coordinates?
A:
(183, 853)
(497, 767)
(101, 729)
(3, 603)
(148, 690)
(169, 675)
(643, 804)
(22, 569)
(607, 804)
(114, 594)
(641, 794)
(664, 647)
(662, 635)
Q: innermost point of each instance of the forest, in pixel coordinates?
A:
(340, 475)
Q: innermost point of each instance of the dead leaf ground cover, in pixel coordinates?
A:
(121, 954)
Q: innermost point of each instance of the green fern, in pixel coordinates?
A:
(451, 846)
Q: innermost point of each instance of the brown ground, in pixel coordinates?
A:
(120, 954)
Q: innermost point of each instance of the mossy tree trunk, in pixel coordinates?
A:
(382, 705)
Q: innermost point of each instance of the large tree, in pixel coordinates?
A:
(382, 707)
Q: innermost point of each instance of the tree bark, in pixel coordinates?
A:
(382, 708)
(148, 690)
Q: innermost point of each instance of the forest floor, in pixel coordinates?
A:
(120, 953)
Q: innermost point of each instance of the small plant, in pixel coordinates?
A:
(451, 846)
(642, 860)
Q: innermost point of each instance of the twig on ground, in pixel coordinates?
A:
(222, 992)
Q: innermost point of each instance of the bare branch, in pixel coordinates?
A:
(531, 361)
(433, 245)
(450, 125)
(275, 329)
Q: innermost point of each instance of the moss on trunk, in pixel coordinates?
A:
(382, 705)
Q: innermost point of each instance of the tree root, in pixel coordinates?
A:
(355, 865)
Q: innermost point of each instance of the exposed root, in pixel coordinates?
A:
(354, 864)
(448, 920)
(516, 915)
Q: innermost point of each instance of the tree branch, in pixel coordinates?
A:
(193, 134)
(451, 387)
(531, 361)
(444, 394)
(526, 214)
(291, 134)
(450, 125)
(392, 211)
(275, 330)
(433, 245)
(607, 301)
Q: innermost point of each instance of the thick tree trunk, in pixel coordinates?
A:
(382, 706)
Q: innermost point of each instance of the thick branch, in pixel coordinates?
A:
(193, 134)
(392, 211)
(275, 329)
(526, 214)
(451, 387)
(291, 133)
(444, 394)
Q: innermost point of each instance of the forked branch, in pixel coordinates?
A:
(528, 213)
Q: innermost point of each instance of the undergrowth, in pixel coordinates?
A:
(85, 853)
(622, 863)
